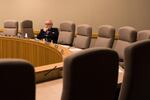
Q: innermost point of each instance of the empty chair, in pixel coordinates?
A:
(10, 27)
(83, 37)
(17, 81)
(67, 32)
(142, 35)
(127, 35)
(90, 75)
(106, 36)
(136, 79)
(27, 28)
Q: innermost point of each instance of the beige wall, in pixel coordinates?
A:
(93, 12)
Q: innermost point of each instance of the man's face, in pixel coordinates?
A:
(48, 25)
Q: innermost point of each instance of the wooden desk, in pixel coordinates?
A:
(44, 56)
(37, 53)
(52, 71)
(47, 58)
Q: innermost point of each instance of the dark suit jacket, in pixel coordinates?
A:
(50, 34)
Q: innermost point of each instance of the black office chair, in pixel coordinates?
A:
(27, 28)
(90, 75)
(136, 81)
(17, 81)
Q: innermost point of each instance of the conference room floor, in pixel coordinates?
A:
(52, 90)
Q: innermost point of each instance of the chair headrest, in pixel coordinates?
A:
(67, 26)
(84, 29)
(127, 33)
(10, 24)
(27, 24)
(107, 31)
(144, 34)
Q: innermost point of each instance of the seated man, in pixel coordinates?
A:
(48, 33)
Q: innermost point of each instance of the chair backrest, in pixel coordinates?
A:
(27, 28)
(136, 81)
(127, 35)
(83, 37)
(106, 36)
(142, 35)
(90, 75)
(10, 27)
(67, 32)
(17, 81)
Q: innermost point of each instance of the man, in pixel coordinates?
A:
(48, 33)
